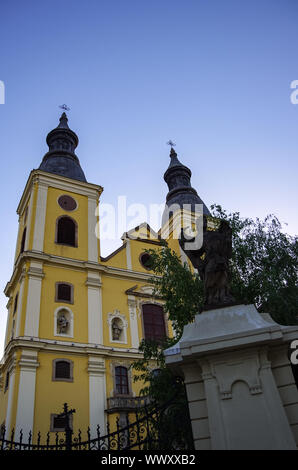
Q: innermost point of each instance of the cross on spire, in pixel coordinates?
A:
(171, 143)
(64, 107)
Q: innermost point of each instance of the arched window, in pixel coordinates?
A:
(66, 231)
(121, 380)
(154, 324)
(63, 370)
(23, 240)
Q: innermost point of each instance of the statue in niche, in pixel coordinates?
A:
(116, 329)
(62, 324)
(213, 268)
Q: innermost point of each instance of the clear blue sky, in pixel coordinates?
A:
(214, 76)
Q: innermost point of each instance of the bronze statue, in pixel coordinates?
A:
(213, 268)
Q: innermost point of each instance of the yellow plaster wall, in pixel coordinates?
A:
(114, 298)
(134, 387)
(117, 260)
(51, 395)
(4, 396)
(80, 215)
(137, 248)
(48, 305)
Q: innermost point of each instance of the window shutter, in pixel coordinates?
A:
(62, 370)
(154, 324)
(59, 422)
(64, 292)
(121, 378)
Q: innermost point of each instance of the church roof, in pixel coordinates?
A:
(181, 193)
(61, 158)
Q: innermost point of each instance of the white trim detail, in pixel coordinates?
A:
(97, 394)
(70, 319)
(132, 308)
(26, 395)
(124, 324)
(92, 233)
(40, 218)
(35, 275)
(93, 283)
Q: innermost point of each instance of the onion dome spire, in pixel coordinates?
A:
(61, 158)
(180, 192)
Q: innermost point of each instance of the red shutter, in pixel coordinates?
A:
(154, 325)
(121, 379)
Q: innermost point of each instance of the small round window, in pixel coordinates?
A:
(67, 203)
(146, 261)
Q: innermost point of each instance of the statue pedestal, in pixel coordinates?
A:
(239, 382)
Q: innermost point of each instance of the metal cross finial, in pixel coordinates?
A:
(171, 143)
(64, 107)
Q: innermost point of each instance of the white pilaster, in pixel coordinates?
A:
(26, 396)
(128, 254)
(12, 371)
(40, 217)
(8, 306)
(216, 425)
(132, 307)
(97, 395)
(29, 220)
(92, 230)
(35, 275)
(95, 326)
(20, 304)
(17, 243)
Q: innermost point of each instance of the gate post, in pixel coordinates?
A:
(68, 431)
(240, 386)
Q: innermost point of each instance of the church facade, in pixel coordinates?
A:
(75, 319)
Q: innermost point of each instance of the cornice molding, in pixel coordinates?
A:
(91, 282)
(63, 347)
(35, 273)
(53, 260)
(96, 366)
(60, 182)
(28, 360)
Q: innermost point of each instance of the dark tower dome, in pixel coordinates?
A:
(61, 158)
(180, 192)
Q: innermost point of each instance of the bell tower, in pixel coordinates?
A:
(55, 289)
(183, 204)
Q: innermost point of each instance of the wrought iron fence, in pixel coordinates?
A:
(151, 428)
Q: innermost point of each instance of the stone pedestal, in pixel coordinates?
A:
(239, 382)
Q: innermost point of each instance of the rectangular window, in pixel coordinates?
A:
(154, 324)
(64, 292)
(121, 380)
(58, 423)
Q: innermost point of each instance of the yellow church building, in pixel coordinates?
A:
(75, 319)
